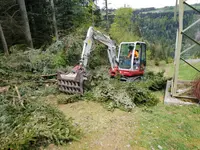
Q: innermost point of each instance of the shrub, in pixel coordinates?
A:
(157, 62)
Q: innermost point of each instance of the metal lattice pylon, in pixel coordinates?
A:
(179, 53)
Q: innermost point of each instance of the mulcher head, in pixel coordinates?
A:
(71, 83)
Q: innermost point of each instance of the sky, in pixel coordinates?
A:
(142, 3)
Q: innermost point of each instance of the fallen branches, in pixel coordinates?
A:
(49, 75)
(124, 95)
(20, 100)
(196, 88)
(19, 96)
(4, 89)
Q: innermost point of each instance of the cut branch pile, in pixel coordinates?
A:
(124, 95)
(29, 124)
(196, 88)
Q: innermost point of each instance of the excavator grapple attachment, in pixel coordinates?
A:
(71, 83)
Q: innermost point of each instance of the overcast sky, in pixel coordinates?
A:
(142, 3)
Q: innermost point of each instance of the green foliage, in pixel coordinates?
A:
(156, 82)
(69, 16)
(158, 27)
(169, 60)
(170, 127)
(156, 62)
(32, 124)
(115, 94)
(73, 49)
(187, 72)
(58, 55)
(141, 96)
(28, 122)
(65, 99)
(59, 60)
(98, 57)
(123, 29)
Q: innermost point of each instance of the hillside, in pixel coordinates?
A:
(159, 27)
(165, 9)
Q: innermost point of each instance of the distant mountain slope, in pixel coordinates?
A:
(165, 9)
(158, 25)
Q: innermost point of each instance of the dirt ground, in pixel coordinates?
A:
(102, 130)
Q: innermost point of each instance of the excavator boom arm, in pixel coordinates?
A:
(72, 82)
(104, 39)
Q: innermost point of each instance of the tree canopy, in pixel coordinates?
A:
(123, 28)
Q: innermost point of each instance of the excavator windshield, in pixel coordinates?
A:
(125, 55)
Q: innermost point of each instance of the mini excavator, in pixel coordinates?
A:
(129, 64)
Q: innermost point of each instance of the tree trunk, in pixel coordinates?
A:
(107, 23)
(33, 21)
(5, 46)
(54, 20)
(24, 15)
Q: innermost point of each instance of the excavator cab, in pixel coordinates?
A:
(132, 59)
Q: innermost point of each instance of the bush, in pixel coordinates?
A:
(169, 60)
(157, 62)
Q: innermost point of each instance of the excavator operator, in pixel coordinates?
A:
(136, 54)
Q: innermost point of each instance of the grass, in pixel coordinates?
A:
(185, 71)
(171, 127)
(167, 68)
(188, 73)
(159, 127)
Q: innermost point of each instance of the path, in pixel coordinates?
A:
(103, 130)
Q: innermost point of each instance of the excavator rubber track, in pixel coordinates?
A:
(71, 83)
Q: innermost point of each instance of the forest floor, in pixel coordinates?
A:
(159, 127)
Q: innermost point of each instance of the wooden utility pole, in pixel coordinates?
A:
(54, 20)
(178, 47)
(107, 23)
(5, 46)
(24, 15)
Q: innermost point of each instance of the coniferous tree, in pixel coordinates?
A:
(24, 15)
(5, 46)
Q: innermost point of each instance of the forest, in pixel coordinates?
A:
(40, 39)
